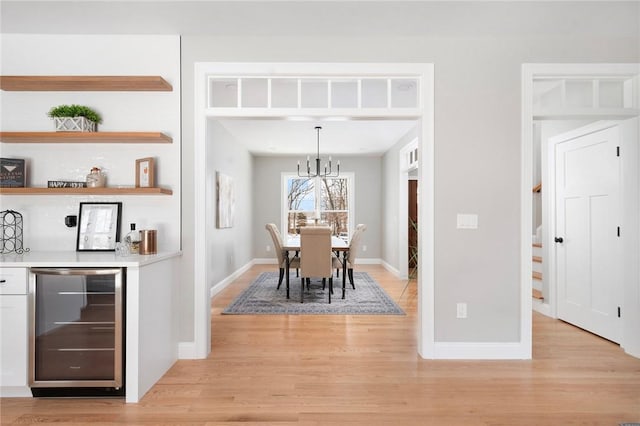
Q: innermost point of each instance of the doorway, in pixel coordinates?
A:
(409, 167)
(324, 76)
(579, 94)
(412, 242)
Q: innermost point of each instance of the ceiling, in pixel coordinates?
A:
(286, 137)
(299, 18)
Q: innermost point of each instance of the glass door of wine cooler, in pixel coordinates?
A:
(76, 335)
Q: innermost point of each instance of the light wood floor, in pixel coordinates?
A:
(364, 370)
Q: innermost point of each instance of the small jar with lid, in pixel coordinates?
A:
(95, 178)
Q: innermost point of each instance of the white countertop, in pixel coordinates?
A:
(60, 259)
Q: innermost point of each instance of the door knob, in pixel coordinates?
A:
(558, 239)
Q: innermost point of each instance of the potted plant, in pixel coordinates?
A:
(74, 118)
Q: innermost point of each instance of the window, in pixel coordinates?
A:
(326, 201)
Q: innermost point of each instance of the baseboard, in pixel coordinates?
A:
(368, 261)
(393, 270)
(187, 350)
(541, 307)
(480, 350)
(265, 261)
(221, 285)
(15, 392)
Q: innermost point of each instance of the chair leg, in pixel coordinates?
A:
(280, 279)
(330, 287)
(308, 283)
(302, 290)
(324, 283)
(351, 278)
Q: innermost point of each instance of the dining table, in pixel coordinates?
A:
(292, 244)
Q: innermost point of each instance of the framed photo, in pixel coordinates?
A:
(99, 226)
(145, 173)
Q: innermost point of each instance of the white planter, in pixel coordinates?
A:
(74, 124)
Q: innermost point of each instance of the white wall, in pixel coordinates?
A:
(228, 249)
(44, 227)
(630, 153)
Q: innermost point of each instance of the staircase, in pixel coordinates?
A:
(537, 272)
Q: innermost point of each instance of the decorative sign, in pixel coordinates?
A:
(65, 184)
(12, 173)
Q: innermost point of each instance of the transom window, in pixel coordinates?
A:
(308, 92)
(310, 201)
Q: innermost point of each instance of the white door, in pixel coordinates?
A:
(587, 235)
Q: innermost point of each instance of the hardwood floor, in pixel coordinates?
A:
(364, 370)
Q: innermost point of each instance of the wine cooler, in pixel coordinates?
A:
(76, 339)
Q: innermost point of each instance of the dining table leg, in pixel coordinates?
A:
(287, 263)
(344, 272)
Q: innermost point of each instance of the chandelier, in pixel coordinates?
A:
(328, 172)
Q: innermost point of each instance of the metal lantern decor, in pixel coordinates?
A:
(11, 232)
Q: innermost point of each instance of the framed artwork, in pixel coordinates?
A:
(145, 173)
(99, 226)
(226, 200)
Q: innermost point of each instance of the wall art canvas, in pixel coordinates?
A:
(226, 200)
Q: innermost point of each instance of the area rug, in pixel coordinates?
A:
(263, 297)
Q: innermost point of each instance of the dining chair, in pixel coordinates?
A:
(354, 251)
(277, 246)
(316, 257)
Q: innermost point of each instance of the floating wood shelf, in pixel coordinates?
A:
(85, 137)
(86, 191)
(80, 83)
(538, 187)
(537, 294)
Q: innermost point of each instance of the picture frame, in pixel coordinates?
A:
(145, 173)
(98, 226)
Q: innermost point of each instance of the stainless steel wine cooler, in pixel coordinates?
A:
(76, 336)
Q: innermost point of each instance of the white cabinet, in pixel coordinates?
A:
(14, 332)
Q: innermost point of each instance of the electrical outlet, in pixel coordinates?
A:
(268, 247)
(461, 310)
(364, 248)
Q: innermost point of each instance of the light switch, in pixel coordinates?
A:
(467, 221)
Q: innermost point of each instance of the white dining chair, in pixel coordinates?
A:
(280, 254)
(316, 257)
(354, 251)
